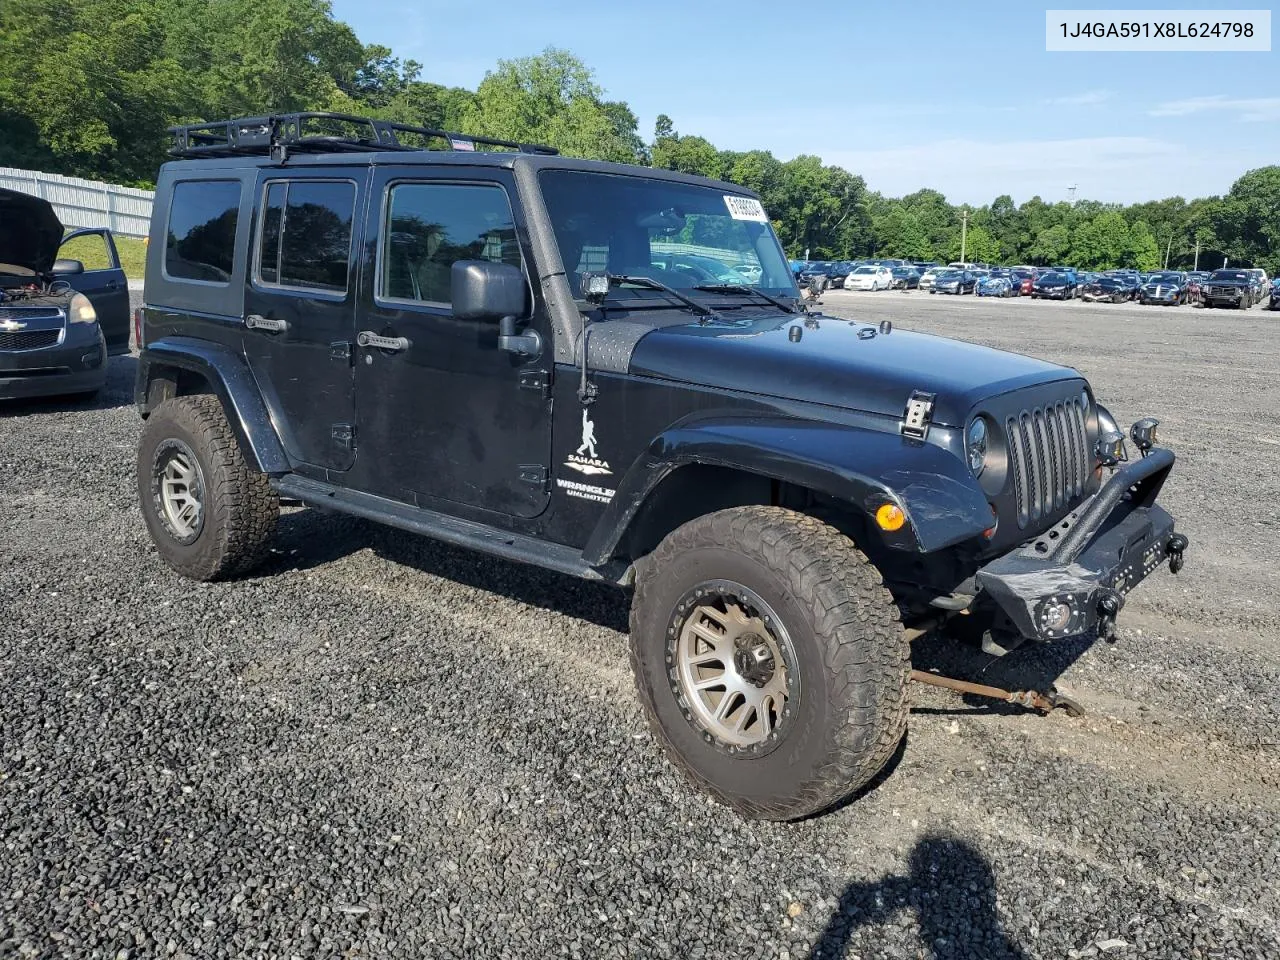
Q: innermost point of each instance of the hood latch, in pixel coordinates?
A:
(918, 415)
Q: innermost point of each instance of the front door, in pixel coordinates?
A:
(299, 309)
(446, 417)
(103, 282)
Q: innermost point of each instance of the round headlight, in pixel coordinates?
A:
(976, 445)
(80, 310)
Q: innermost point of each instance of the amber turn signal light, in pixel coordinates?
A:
(890, 517)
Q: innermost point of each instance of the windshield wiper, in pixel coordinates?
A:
(750, 291)
(701, 309)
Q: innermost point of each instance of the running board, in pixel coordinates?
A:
(440, 526)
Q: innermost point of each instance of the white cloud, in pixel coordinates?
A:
(1244, 108)
(1082, 99)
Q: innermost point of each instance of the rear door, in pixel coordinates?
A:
(103, 282)
(300, 308)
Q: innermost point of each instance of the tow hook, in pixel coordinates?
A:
(1109, 605)
(1176, 546)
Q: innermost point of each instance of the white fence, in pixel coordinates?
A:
(86, 203)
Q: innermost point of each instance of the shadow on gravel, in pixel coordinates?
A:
(951, 889)
(1032, 666)
(603, 605)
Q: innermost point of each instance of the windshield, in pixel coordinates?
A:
(866, 270)
(1230, 275)
(1165, 278)
(1053, 278)
(948, 275)
(682, 235)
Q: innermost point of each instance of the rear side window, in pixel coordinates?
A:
(306, 234)
(430, 226)
(201, 240)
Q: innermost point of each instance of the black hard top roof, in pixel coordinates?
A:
(200, 169)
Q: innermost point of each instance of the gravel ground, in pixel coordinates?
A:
(382, 747)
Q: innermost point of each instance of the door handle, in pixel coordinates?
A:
(367, 338)
(256, 321)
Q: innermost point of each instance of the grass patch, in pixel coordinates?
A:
(92, 252)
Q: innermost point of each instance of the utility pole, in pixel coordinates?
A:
(964, 233)
(1197, 265)
(1167, 250)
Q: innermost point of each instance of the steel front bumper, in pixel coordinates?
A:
(1075, 576)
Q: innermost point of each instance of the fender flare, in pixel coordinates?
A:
(232, 382)
(866, 468)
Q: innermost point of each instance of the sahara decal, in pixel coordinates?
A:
(584, 459)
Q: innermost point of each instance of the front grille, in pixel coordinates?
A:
(1049, 452)
(28, 339)
(1224, 291)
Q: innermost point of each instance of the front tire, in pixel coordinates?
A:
(770, 660)
(209, 513)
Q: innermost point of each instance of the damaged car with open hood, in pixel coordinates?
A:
(59, 322)
(483, 343)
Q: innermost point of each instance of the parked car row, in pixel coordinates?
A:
(1235, 287)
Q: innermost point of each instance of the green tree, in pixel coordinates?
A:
(552, 98)
(1143, 252)
(898, 234)
(1101, 243)
(979, 246)
(1248, 219)
(1050, 245)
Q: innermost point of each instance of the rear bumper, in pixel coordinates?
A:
(1074, 577)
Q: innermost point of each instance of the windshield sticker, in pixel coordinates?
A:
(745, 208)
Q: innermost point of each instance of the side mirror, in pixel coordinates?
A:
(67, 268)
(483, 290)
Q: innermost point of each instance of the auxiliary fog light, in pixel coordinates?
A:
(1144, 433)
(595, 287)
(1056, 617)
(1110, 448)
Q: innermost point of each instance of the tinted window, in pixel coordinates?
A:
(201, 240)
(306, 234)
(430, 226)
(1230, 275)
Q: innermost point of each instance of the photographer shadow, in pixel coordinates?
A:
(951, 889)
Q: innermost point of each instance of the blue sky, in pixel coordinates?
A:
(962, 99)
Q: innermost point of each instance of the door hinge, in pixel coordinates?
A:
(341, 350)
(344, 435)
(536, 380)
(918, 415)
(535, 474)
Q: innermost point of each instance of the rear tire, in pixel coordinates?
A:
(799, 594)
(209, 513)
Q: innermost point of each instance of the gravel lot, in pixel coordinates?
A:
(383, 747)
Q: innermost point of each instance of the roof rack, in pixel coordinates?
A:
(281, 134)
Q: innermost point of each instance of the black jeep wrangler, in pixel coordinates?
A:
(481, 344)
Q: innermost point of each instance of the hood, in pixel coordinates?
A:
(30, 232)
(841, 363)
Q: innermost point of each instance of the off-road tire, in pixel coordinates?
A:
(851, 653)
(239, 507)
